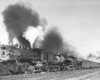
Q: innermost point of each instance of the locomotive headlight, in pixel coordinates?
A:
(4, 55)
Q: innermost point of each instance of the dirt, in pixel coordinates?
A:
(50, 76)
(93, 77)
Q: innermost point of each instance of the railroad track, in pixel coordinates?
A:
(50, 75)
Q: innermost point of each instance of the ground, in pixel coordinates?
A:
(93, 77)
(87, 74)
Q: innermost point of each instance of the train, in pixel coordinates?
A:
(16, 60)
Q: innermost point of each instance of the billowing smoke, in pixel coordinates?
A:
(93, 56)
(23, 41)
(11, 36)
(37, 43)
(52, 41)
(43, 23)
(17, 18)
(69, 49)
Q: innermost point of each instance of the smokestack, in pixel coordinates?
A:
(10, 43)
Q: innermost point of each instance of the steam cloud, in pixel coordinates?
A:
(17, 18)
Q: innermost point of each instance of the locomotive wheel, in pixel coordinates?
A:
(58, 69)
(55, 69)
(65, 67)
(73, 68)
(10, 72)
(68, 68)
(22, 69)
(48, 69)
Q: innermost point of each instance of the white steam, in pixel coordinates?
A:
(41, 33)
(32, 33)
(15, 41)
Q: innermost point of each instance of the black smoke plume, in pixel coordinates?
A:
(23, 41)
(17, 18)
(43, 23)
(69, 49)
(52, 41)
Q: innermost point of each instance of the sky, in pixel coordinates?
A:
(77, 20)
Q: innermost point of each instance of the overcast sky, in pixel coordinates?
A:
(77, 20)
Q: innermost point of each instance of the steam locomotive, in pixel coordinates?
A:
(14, 60)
